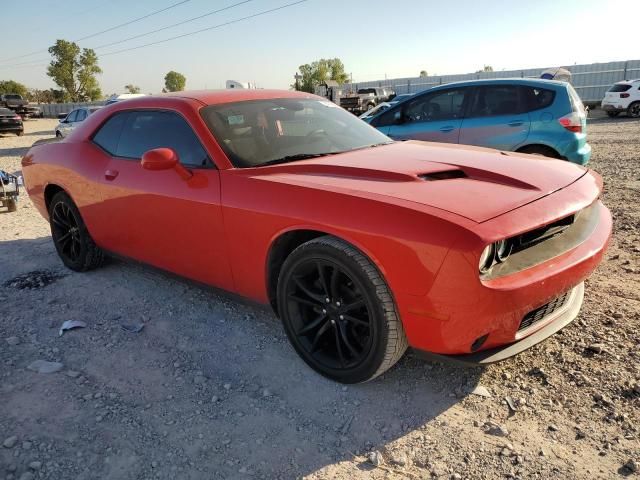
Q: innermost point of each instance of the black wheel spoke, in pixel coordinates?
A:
(303, 301)
(353, 305)
(313, 325)
(307, 291)
(334, 287)
(321, 331)
(356, 321)
(345, 339)
(323, 279)
(339, 346)
(59, 220)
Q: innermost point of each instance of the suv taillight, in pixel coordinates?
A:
(624, 95)
(572, 122)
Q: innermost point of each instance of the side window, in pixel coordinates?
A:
(81, 115)
(495, 100)
(109, 134)
(146, 130)
(72, 116)
(443, 105)
(538, 98)
(385, 119)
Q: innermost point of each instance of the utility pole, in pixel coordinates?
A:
(298, 77)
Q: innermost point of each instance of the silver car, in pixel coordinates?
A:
(66, 125)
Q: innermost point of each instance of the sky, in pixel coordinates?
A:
(374, 38)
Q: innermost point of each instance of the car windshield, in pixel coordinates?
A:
(254, 133)
(13, 97)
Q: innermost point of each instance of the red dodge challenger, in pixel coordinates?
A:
(362, 245)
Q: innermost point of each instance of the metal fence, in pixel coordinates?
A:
(590, 80)
(52, 110)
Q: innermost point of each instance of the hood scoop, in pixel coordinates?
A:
(444, 175)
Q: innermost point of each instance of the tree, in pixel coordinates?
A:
(485, 69)
(75, 71)
(174, 81)
(11, 86)
(132, 88)
(315, 73)
(423, 73)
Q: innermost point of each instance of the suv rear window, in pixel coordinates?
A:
(620, 87)
(364, 91)
(538, 98)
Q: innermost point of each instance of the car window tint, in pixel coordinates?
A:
(495, 100)
(444, 105)
(72, 116)
(81, 115)
(619, 87)
(537, 98)
(147, 130)
(109, 134)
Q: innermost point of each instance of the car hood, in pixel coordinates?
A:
(476, 183)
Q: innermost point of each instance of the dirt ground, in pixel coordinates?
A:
(210, 388)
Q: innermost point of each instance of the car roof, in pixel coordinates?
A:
(532, 82)
(627, 82)
(214, 97)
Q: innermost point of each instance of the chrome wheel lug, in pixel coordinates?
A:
(337, 304)
(333, 322)
(324, 310)
(341, 317)
(328, 300)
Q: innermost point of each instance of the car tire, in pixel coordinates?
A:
(20, 133)
(12, 205)
(613, 114)
(540, 150)
(58, 134)
(338, 312)
(72, 240)
(634, 110)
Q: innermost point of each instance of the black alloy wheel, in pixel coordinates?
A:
(634, 110)
(71, 238)
(338, 312)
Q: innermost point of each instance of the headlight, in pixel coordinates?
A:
(486, 258)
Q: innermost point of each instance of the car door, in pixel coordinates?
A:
(432, 117)
(497, 118)
(158, 217)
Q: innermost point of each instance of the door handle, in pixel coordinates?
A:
(515, 123)
(111, 174)
(447, 128)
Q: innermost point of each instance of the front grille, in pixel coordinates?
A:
(534, 316)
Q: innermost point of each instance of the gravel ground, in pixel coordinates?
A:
(210, 387)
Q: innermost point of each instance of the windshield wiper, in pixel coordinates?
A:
(297, 156)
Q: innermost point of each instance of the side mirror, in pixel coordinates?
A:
(397, 117)
(164, 159)
(62, 116)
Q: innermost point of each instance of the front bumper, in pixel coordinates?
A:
(11, 127)
(460, 308)
(555, 322)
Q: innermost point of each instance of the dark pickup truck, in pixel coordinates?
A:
(365, 99)
(14, 102)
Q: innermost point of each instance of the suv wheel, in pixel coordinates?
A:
(634, 110)
(338, 311)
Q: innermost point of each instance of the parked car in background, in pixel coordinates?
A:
(543, 117)
(14, 102)
(33, 111)
(385, 105)
(10, 122)
(71, 121)
(362, 245)
(123, 96)
(623, 97)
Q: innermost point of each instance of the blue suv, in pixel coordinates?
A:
(543, 117)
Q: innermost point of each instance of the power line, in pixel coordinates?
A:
(264, 12)
(134, 20)
(107, 30)
(173, 25)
